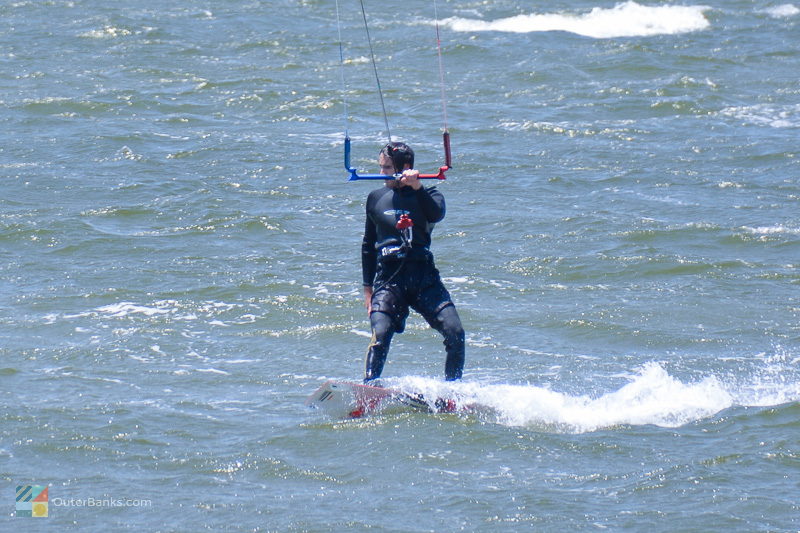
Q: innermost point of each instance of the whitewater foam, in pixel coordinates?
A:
(772, 115)
(122, 309)
(628, 19)
(782, 11)
(651, 397)
(772, 230)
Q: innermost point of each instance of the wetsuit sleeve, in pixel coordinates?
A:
(432, 203)
(369, 256)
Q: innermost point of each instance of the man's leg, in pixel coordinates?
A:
(434, 303)
(448, 323)
(382, 332)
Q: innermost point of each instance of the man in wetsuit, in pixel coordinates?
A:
(397, 264)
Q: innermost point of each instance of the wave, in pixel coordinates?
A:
(772, 115)
(782, 11)
(651, 397)
(772, 230)
(628, 19)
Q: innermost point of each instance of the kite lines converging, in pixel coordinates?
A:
(354, 175)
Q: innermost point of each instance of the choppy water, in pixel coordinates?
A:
(181, 265)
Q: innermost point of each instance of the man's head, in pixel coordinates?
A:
(395, 157)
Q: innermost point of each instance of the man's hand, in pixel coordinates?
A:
(410, 177)
(368, 297)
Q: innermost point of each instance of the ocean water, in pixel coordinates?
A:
(181, 265)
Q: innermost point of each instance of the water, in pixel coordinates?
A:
(181, 265)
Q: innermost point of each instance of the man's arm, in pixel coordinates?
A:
(431, 200)
(368, 297)
(432, 203)
(369, 258)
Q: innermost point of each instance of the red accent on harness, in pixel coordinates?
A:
(404, 222)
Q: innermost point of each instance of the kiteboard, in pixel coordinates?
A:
(342, 399)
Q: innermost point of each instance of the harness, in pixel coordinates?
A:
(406, 227)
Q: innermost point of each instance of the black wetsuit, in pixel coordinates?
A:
(404, 276)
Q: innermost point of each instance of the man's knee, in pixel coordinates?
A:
(382, 326)
(450, 325)
(388, 305)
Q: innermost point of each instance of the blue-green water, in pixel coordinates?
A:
(181, 265)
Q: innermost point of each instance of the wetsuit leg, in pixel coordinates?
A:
(436, 306)
(448, 323)
(382, 332)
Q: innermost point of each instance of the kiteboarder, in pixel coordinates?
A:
(397, 264)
